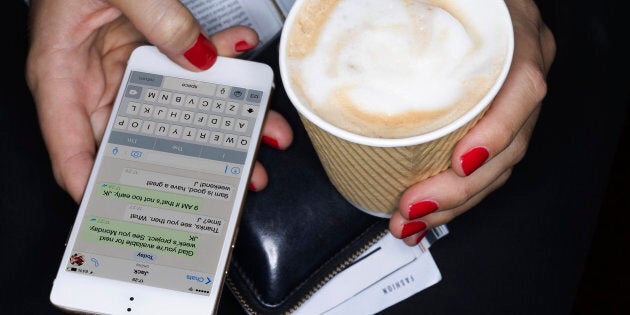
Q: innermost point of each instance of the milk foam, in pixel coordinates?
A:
(397, 68)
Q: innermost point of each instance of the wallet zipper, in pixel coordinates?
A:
(327, 278)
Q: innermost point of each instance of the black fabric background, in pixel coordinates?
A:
(551, 241)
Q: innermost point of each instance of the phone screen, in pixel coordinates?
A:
(167, 183)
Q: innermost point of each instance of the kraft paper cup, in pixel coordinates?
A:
(372, 173)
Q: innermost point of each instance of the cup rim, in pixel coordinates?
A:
(391, 142)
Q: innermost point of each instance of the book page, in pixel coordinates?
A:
(264, 16)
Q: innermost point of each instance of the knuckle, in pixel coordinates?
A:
(506, 131)
(463, 194)
(172, 26)
(534, 80)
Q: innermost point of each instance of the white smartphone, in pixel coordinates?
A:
(156, 226)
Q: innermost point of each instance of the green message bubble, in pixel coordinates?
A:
(149, 197)
(141, 237)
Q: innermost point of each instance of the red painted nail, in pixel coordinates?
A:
(422, 208)
(473, 159)
(252, 187)
(412, 228)
(243, 46)
(271, 142)
(421, 236)
(202, 54)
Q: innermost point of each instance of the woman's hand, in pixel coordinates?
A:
(77, 58)
(484, 158)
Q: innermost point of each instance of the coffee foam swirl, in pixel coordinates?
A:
(392, 72)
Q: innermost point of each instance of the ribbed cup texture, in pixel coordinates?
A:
(374, 178)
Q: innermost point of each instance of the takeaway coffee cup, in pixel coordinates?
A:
(386, 89)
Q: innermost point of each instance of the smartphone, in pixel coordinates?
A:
(158, 220)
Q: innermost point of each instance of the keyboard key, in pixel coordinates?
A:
(205, 103)
(231, 108)
(191, 101)
(189, 133)
(146, 110)
(121, 122)
(201, 119)
(218, 106)
(229, 140)
(214, 121)
(178, 99)
(216, 138)
(237, 93)
(249, 111)
(187, 117)
(241, 125)
(134, 124)
(164, 97)
(152, 95)
(202, 135)
(228, 123)
(173, 114)
(160, 112)
(243, 142)
(133, 108)
(161, 129)
(223, 91)
(148, 127)
(175, 131)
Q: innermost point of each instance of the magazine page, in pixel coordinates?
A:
(264, 16)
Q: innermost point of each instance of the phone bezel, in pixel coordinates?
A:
(79, 292)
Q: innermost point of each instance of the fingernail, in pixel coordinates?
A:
(422, 208)
(421, 236)
(412, 228)
(271, 142)
(473, 159)
(202, 54)
(243, 46)
(252, 187)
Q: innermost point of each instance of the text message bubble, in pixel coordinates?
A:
(149, 197)
(141, 237)
(175, 184)
(174, 220)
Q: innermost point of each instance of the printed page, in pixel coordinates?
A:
(264, 16)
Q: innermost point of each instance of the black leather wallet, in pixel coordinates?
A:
(297, 233)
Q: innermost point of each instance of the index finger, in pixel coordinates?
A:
(170, 26)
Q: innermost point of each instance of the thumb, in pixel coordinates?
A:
(171, 27)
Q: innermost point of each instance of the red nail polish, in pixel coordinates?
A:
(252, 187)
(421, 236)
(271, 142)
(412, 228)
(243, 46)
(422, 208)
(202, 54)
(473, 159)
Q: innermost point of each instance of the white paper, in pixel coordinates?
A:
(398, 286)
(264, 16)
(386, 274)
